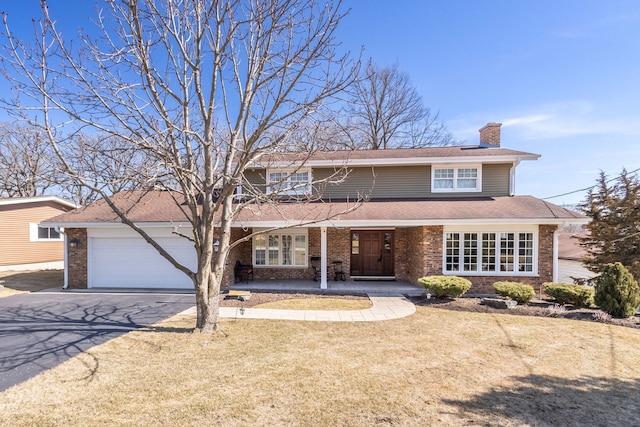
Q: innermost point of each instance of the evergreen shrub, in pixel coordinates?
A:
(617, 291)
(445, 286)
(519, 292)
(567, 293)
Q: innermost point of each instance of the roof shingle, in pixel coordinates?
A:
(391, 154)
(165, 207)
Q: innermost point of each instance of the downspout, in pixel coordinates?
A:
(512, 178)
(555, 254)
(65, 284)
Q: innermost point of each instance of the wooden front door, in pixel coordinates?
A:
(372, 253)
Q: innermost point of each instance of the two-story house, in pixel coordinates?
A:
(428, 211)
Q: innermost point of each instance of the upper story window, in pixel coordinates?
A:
(467, 178)
(293, 183)
(43, 234)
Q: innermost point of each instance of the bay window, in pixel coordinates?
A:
(470, 252)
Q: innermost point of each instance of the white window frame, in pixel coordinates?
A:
(287, 187)
(458, 170)
(279, 249)
(34, 235)
(523, 250)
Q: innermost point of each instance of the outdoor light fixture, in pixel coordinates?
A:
(73, 243)
(216, 244)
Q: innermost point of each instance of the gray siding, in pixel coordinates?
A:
(257, 178)
(395, 182)
(495, 179)
(390, 182)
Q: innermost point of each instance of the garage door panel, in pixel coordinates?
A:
(133, 263)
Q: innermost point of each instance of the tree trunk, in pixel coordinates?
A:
(207, 287)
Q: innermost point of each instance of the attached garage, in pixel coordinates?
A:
(128, 261)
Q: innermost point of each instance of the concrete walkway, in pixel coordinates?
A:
(385, 307)
(349, 287)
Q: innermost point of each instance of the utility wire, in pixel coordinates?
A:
(587, 188)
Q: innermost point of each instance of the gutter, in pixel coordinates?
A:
(402, 161)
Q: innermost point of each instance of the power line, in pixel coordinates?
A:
(587, 188)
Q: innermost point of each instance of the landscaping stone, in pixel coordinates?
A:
(499, 303)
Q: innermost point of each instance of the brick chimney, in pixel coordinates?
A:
(490, 135)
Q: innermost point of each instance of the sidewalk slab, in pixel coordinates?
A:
(384, 307)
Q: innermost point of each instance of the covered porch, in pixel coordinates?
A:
(347, 287)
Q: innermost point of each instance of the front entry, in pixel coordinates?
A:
(372, 253)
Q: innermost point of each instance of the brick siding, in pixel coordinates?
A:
(241, 252)
(77, 258)
(418, 253)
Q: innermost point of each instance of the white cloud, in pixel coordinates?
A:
(527, 120)
(550, 121)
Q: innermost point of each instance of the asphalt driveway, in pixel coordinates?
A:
(43, 329)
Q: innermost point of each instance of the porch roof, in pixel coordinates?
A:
(163, 208)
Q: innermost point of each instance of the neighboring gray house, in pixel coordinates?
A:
(430, 211)
(570, 257)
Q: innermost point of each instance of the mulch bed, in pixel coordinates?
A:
(538, 308)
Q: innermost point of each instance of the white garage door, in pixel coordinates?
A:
(130, 262)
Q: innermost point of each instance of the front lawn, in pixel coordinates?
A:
(19, 282)
(436, 367)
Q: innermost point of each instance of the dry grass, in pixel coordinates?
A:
(20, 282)
(318, 304)
(437, 367)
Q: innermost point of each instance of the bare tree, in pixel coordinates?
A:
(201, 88)
(26, 162)
(386, 111)
(29, 166)
(107, 164)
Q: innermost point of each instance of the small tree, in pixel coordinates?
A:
(613, 234)
(617, 291)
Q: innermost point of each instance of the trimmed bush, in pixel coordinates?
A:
(567, 293)
(520, 292)
(617, 291)
(445, 286)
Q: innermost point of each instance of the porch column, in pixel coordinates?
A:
(323, 257)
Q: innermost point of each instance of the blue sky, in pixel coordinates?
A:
(562, 76)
